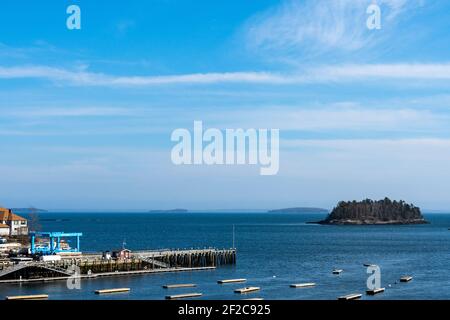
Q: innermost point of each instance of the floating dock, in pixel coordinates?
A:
(337, 271)
(352, 296)
(406, 279)
(182, 296)
(117, 290)
(369, 265)
(303, 285)
(375, 291)
(184, 285)
(231, 281)
(247, 290)
(29, 297)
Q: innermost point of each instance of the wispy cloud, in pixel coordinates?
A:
(333, 73)
(66, 112)
(312, 28)
(98, 79)
(335, 117)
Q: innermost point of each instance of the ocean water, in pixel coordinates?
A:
(274, 251)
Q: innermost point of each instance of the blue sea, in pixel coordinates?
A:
(273, 251)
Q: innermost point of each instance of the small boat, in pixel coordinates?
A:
(337, 271)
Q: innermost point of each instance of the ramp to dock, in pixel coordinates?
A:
(22, 270)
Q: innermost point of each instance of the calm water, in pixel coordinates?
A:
(274, 250)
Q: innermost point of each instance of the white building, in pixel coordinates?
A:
(14, 224)
(4, 230)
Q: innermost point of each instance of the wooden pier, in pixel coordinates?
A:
(140, 262)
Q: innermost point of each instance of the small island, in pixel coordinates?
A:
(299, 210)
(170, 211)
(369, 212)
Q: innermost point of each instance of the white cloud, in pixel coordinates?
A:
(330, 73)
(98, 79)
(384, 71)
(376, 145)
(314, 27)
(343, 117)
(355, 118)
(66, 112)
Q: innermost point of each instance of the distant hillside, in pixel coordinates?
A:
(170, 211)
(299, 210)
(374, 212)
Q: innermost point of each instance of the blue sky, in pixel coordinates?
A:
(86, 115)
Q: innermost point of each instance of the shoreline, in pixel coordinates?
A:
(367, 223)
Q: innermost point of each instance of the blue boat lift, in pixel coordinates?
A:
(53, 244)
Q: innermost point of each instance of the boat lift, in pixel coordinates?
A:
(54, 242)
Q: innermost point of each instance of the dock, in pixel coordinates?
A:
(182, 296)
(337, 271)
(369, 265)
(406, 279)
(375, 291)
(29, 297)
(138, 262)
(303, 285)
(231, 281)
(106, 274)
(247, 290)
(117, 290)
(184, 285)
(352, 296)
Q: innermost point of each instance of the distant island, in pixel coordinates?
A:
(27, 210)
(369, 212)
(170, 211)
(299, 210)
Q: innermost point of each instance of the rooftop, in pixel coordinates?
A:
(8, 215)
